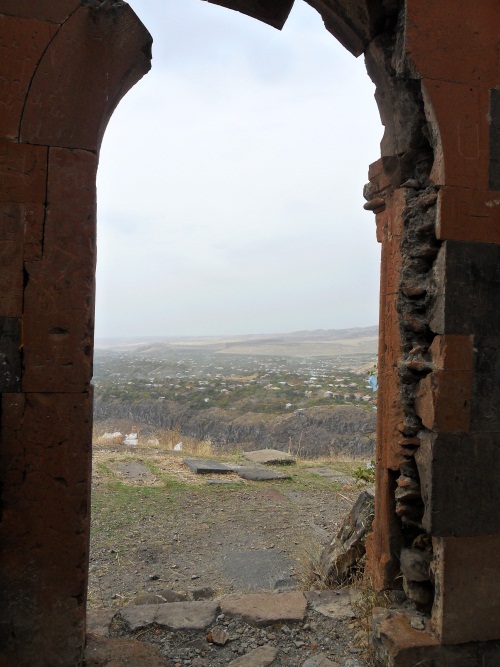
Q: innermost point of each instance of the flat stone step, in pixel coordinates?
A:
(261, 474)
(171, 615)
(269, 457)
(207, 467)
(266, 608)
(259, 657)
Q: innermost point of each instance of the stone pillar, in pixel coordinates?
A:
(65, 66)
(440, 466)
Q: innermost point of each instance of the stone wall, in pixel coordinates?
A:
(435, 193)
(65, 66)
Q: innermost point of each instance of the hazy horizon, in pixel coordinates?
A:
(230, 181)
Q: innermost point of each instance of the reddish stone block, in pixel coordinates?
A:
(23, 172)
(59, 296)
(386, 540)
(11, 260)
(33, 216)
(454, 353)
(398, 644)
(21, 47)
(459, 116)
(443, 399)
(45, 10)
(446, 42)
(469, 215)
(98, 54)
(467, 574)
(45, 469)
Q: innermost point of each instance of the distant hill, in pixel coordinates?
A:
(317, 343)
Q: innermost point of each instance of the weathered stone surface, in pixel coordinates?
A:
(10, 354)
(256, 569)
(348, 545)
(207, 467)
(45, 10)
(415, 564)
(45, 467)
(59, 296)
(269, 457)
(23, 43)
(266, 608)
(260, 474)
(259, 657)
(398, 644)
(98, 55)
(319, 661)
(334, 604)
(467, 574)
(219, 636)
(24, 173)
(459, 482)
(118, 652)
(171, 615)
(11, 258)
(99, 620)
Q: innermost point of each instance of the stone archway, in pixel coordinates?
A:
(436, 195)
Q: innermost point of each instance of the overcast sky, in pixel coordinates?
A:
(230, 181)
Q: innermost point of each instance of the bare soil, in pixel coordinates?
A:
(158, 526)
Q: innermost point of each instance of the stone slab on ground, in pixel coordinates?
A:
(118, 652)
(256, 569)
(334, 604)
(269, 457)
(133, 471)
(207, 467)
(266, 608)
(259, 657)
(222, 481)
(261, 474)
(99, 620)
(171, 615)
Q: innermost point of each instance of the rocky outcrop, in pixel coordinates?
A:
(316, 431)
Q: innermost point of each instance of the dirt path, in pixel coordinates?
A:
(158, 526)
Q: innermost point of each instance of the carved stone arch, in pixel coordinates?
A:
(435, 193)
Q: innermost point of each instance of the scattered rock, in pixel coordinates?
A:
(173, 596)
(348, 546)
(415, 564)
(220, 636)
(421, 593)
(269, 457)
(99, 620)
(203, 593)
(174, 615)
(334, 604)
(266, 608)
(259, 657)
(106, 652)
(207, 467)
